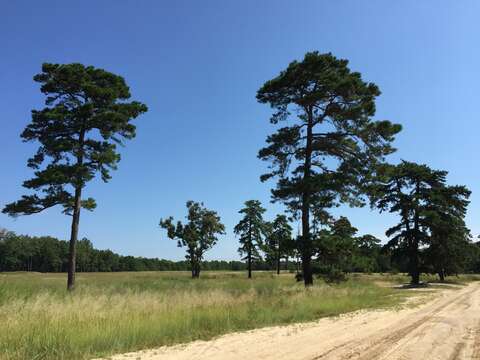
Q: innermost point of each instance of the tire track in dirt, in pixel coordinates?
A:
(391, 340)
(476, 343)
(446, 327)
(381, 344)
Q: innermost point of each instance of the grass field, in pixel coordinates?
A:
(118, 312)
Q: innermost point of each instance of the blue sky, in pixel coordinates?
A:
(198, 65)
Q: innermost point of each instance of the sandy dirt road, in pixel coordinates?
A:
(447, 327)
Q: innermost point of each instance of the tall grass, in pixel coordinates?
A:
(112, 313)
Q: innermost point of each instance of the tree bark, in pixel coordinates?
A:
(75, 217)
(414, 264)
(73, 239)
(414, 248)
(278, 264)
(306, 246)
(197, 269)
(441, 275)
(249, 247)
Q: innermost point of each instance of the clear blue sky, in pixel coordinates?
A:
(198, 64)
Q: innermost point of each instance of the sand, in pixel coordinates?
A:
(446, 326)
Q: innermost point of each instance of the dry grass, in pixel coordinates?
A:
(119, 312)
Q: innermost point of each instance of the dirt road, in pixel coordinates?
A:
(447, 327)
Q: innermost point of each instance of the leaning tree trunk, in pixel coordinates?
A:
(306, 248)
(73, 239)
(75, 216)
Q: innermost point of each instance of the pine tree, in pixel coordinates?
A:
(278, 240)
(334, 247)
(450, 242)
(86, 116)
(330, 145)
(251, 230)
(407, 189)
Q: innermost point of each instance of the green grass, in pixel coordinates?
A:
(118, 312)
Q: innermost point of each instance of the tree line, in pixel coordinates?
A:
(48, 254)
(341, 251)
(326, 150)
(337, 247)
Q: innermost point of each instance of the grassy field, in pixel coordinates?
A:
(118, 312)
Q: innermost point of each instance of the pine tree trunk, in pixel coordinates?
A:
(249, 261)
(414, 268)
(73, 239)
(306, 252)
(278, 264)
(77, 205)
(414, 271)
(441, 275)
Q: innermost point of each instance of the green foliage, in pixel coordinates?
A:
(198, 235)
(450, 242)
(368, 257)
(278, 241)
(85, 118)
(251, 230)
(331, 145)
(431, 214)
(334, 247)
(337, 106)
(47, 254)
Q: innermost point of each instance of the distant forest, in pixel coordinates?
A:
(48, 254)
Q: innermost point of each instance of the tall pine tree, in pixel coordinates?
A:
(86, 116)
(330, 145)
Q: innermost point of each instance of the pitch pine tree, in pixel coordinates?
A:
(87, 114)
(330, 145)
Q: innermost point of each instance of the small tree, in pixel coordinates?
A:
(367, 256)
(251, 230)
(331, 144)
(198, 235)
(86, 116)
(278, 240)
(334, 247)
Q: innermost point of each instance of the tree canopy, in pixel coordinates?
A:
(251, 229)
(86, 116)
(428, 208)
(278, 240)
(330, 146)
(197, 235)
